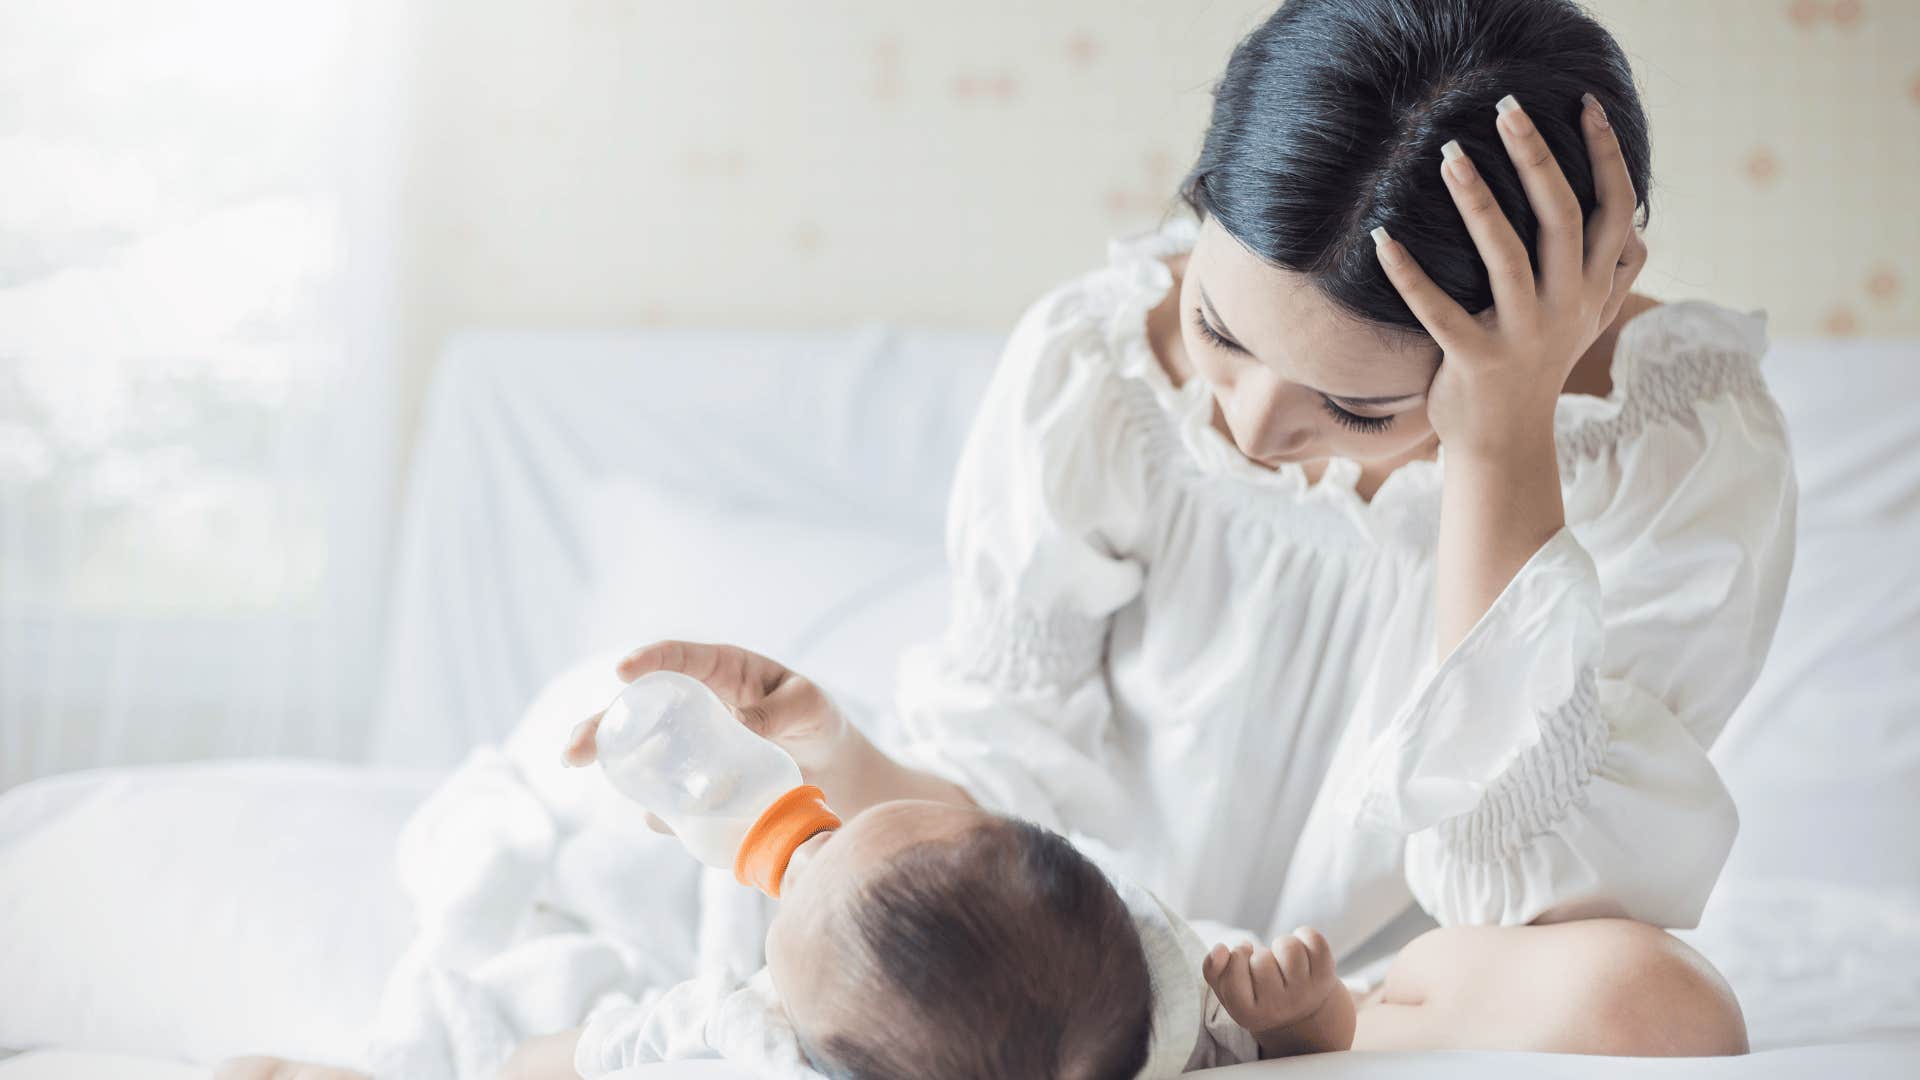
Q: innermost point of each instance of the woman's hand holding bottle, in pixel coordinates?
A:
(788, 709)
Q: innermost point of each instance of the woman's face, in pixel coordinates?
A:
(1296, 378)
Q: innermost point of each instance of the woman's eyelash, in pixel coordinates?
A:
(1352, 422)
(1205, 327)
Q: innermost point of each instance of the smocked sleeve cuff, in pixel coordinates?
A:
(1523, 677)
(1615, 812)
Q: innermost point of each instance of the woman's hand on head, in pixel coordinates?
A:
(1502, 371)
(768, 697)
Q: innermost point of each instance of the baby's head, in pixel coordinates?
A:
(933, 941)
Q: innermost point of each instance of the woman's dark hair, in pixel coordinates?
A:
(999, 953)
(1330, 118)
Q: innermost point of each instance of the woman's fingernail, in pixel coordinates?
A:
(1457, 161)
(1599, 110)
(1513, 115)
(1383, 244)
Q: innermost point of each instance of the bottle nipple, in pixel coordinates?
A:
(792, 820)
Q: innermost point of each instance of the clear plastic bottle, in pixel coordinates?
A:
(736, 801)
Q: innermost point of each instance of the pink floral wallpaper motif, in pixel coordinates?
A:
(761, 163)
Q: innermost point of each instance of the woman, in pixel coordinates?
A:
(1367, 554)
(1259, 531)
(1261, 536)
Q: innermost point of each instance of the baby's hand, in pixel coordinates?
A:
(1267, 990)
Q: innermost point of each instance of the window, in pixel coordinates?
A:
(194, 419)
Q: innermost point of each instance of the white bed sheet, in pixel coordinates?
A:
(1877, 1060)
(285, 949)
(1819, 910)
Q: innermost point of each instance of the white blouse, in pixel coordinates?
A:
(1226, 673)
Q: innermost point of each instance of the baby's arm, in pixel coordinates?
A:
(1288, 997)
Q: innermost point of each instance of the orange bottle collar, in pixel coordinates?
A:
(792, 820)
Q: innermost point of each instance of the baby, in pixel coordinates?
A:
(930, 940)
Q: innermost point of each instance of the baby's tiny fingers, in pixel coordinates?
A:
(1292, 954)
(1268, 981)
(1214, 965)
(1239, 974)
(1319, 950)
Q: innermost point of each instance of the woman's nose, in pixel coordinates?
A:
(1287, 424)
(1290, 440)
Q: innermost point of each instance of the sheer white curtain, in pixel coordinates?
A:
(197, 444)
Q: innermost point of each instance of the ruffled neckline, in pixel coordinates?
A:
(1142, 281)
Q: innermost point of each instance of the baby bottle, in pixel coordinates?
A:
(733, 798)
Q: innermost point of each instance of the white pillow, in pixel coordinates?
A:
(836, 602)
(1823, 757)
(200, 911)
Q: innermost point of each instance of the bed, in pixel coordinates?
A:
(573, 493)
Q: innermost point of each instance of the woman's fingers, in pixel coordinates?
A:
(1632, 261)
(1615, 201)
(1446, 320)
(1508, 269)
(737, 676)
(581, 750)
(773, 716)
(1554, 205)
(581, 746)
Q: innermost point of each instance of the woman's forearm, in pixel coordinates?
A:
(869, 776)
(1498, 505)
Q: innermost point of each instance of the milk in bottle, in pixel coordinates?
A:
(735, 800)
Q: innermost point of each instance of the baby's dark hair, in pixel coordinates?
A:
(999, 952)
(1330, 118)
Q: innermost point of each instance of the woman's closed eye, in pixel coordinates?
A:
(1352, 421)
(1206, 329)
(1369, 425)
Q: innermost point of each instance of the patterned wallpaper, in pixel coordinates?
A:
(764, 163)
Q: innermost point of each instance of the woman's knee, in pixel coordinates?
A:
(1647, 994)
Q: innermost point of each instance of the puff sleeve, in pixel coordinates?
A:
(1012, 703)
(1554, 765)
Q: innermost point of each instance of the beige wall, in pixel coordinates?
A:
(769, 163)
